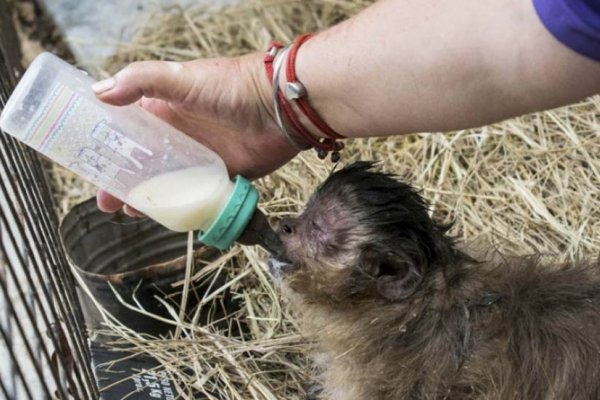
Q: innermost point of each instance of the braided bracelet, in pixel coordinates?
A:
(295, 91)
(272, 60)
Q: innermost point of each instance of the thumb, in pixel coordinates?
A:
(155, 79)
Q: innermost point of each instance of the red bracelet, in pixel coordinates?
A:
(295, 91)
(322, 147)
(269, 57)
(310, 140)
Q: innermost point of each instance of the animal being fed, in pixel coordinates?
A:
(397, 311)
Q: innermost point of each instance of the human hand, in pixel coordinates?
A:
(224, 103)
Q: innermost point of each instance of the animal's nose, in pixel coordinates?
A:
(287, 226)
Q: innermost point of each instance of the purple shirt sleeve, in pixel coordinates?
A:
(576, 23)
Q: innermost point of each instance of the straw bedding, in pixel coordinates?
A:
(529, 184)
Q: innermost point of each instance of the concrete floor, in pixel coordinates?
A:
(93, 28)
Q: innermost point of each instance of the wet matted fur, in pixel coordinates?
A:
(399, 312)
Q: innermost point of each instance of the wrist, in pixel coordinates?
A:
(303, 119)
(260, 88)
(252, 67)
(295, 116)
(322, 88)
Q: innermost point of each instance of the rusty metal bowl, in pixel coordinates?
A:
(138, 257)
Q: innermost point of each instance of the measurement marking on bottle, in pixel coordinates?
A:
(119, 143)
(100, 169)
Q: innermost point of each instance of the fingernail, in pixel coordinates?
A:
(127, 210)
(132, 212)
(103, 86)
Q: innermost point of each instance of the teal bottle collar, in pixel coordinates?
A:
(233, 218)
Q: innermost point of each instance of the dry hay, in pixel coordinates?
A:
(529, 184)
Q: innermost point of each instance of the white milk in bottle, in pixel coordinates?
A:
(128, 152)
(183, 200)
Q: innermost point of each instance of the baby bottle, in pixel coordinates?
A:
(128, 152)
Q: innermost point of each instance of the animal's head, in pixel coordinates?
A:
(363, 235)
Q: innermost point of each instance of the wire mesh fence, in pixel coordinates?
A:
(44, 353)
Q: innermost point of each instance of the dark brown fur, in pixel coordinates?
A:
(399, 313)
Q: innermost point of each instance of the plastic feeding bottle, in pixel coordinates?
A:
(129, 153)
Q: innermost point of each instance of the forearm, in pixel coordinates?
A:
(430, 65)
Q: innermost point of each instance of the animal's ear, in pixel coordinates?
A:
(396, 277)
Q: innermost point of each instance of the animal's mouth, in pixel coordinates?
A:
(279, 266)
(278, 262)
(260, 232)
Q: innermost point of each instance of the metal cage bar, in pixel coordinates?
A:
(44, 351)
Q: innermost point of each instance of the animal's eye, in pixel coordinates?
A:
(331, 248)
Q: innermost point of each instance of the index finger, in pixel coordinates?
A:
(107, 203)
